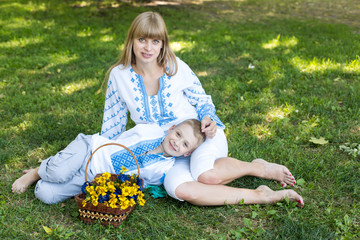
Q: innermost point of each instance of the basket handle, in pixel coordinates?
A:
(118, 144)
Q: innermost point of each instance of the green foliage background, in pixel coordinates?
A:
(279, 73)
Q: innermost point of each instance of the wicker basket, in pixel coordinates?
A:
(106, 215)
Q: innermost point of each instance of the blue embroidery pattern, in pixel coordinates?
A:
(154, 108)
(196, 80)
(110, 82)
(117, 113)
(111, 94)
(166, 116)
(144, 99)
(122, 127)
(114, 115)
(124, 158)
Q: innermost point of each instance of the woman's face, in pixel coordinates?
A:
(147, 50)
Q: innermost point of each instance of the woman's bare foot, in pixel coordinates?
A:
(276, 196)
(21, 184)
(276, 172)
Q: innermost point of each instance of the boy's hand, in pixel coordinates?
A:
(208, 127)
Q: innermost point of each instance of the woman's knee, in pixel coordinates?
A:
(185, 193)
(209, 177)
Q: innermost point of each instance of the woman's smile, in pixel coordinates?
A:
(146, 55)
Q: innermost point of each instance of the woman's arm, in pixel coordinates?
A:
(115, 111)
(203, 104)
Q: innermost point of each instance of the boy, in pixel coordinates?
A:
(61, 176)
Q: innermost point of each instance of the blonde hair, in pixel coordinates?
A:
(196, 126)
(148, 25)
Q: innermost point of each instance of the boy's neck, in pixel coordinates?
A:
(159, 149)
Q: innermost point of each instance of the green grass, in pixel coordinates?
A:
(305, 83)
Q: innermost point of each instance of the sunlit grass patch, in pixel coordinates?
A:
(179, 46)
(314, 65)
(62, 58)
(277, 113)
(38, 154)
(22, 42)
(261, 131)
(281, 42)
(322, 65)
(353, 66)
(106, 38)
(202, 74)
(77, 86)
(28, 6)
(86, 32)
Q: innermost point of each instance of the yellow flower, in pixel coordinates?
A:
(126, 191)
(106, 175)
(101, 181)
(123, 170)
(111, 187)
(125, 204)
(100, 190)
(95, 202)
(112, 196)
(132, 202)
(102, 185)
(140, 194)
(113, 202)
(90, 189)
(141, 201)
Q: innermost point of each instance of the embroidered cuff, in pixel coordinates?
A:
(209, 110)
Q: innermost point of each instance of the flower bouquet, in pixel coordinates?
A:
(110, 198)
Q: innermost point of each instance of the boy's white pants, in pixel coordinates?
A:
(63, 175)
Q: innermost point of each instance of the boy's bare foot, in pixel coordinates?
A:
(276, 172)
(276, 196)
(26, 170)
(21, 184)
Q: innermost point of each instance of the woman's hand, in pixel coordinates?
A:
(208, 127)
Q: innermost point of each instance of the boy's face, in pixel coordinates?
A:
(180, 141)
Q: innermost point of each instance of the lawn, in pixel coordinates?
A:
(284, 76)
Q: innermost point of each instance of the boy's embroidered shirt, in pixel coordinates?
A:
(180, 97)
(140, 139)
(124, 157)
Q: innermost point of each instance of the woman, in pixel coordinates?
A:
(155, 86)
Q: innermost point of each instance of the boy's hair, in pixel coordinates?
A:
(196, 126)
(148, 25)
